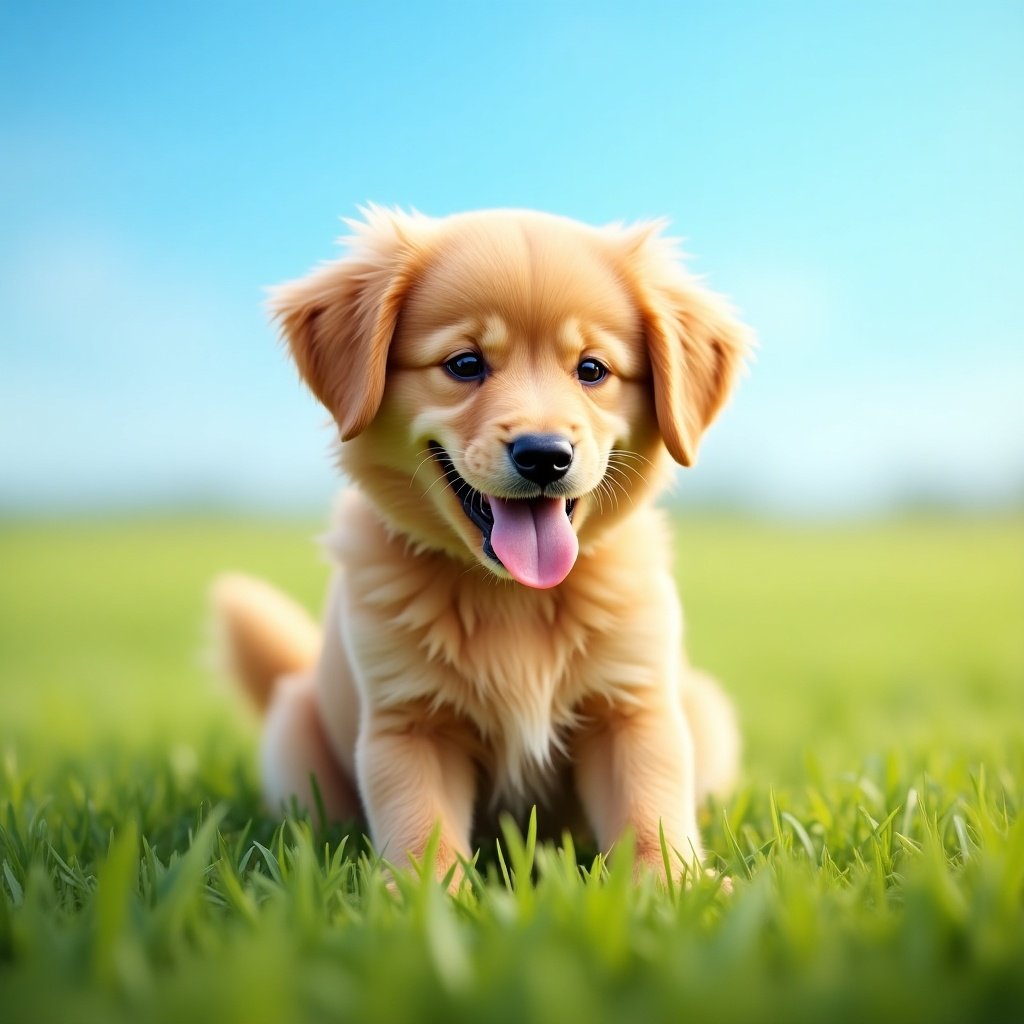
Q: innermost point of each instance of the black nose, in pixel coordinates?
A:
(541, 458)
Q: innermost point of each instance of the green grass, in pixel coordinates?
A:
(876, 843)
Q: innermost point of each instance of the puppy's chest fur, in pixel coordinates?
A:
(509, 667)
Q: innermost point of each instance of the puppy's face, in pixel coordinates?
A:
(519, 368)
(510, 383)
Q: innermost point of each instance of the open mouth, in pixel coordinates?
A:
(531, 538)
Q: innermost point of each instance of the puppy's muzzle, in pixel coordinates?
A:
(541, 458)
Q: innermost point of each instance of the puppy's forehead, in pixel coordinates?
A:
(535, 274)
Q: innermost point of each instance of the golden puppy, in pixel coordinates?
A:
(502, 626)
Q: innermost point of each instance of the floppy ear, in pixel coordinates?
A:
(695, 342)
(338, 321)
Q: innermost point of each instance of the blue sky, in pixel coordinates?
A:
(849, 174)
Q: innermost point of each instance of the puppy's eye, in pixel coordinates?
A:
(466, 366)
(591, 371)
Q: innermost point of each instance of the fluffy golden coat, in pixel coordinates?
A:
(495, 635)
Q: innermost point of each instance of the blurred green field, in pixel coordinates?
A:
(876, 841)
(836, 642)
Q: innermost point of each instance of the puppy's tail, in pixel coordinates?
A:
(261, 634)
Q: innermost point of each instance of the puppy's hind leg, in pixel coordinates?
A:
(716, 736)
(294, 750)
(285, 663)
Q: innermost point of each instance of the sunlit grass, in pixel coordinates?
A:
(876, 845)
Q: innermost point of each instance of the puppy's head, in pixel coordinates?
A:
(510, 383)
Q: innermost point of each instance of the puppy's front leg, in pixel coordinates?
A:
(634, 769)
(415, 777)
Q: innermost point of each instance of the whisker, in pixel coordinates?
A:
(627, 473)
(627, 454)
(626, 469)
(442, 479)
(613, 494)
(623, 471)
(621, 477)
(604, 490)
(427, 457)
(616, 478)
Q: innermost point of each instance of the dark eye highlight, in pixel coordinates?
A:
(591, 371)
(466, 366)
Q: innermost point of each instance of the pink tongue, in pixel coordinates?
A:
(534, 540)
